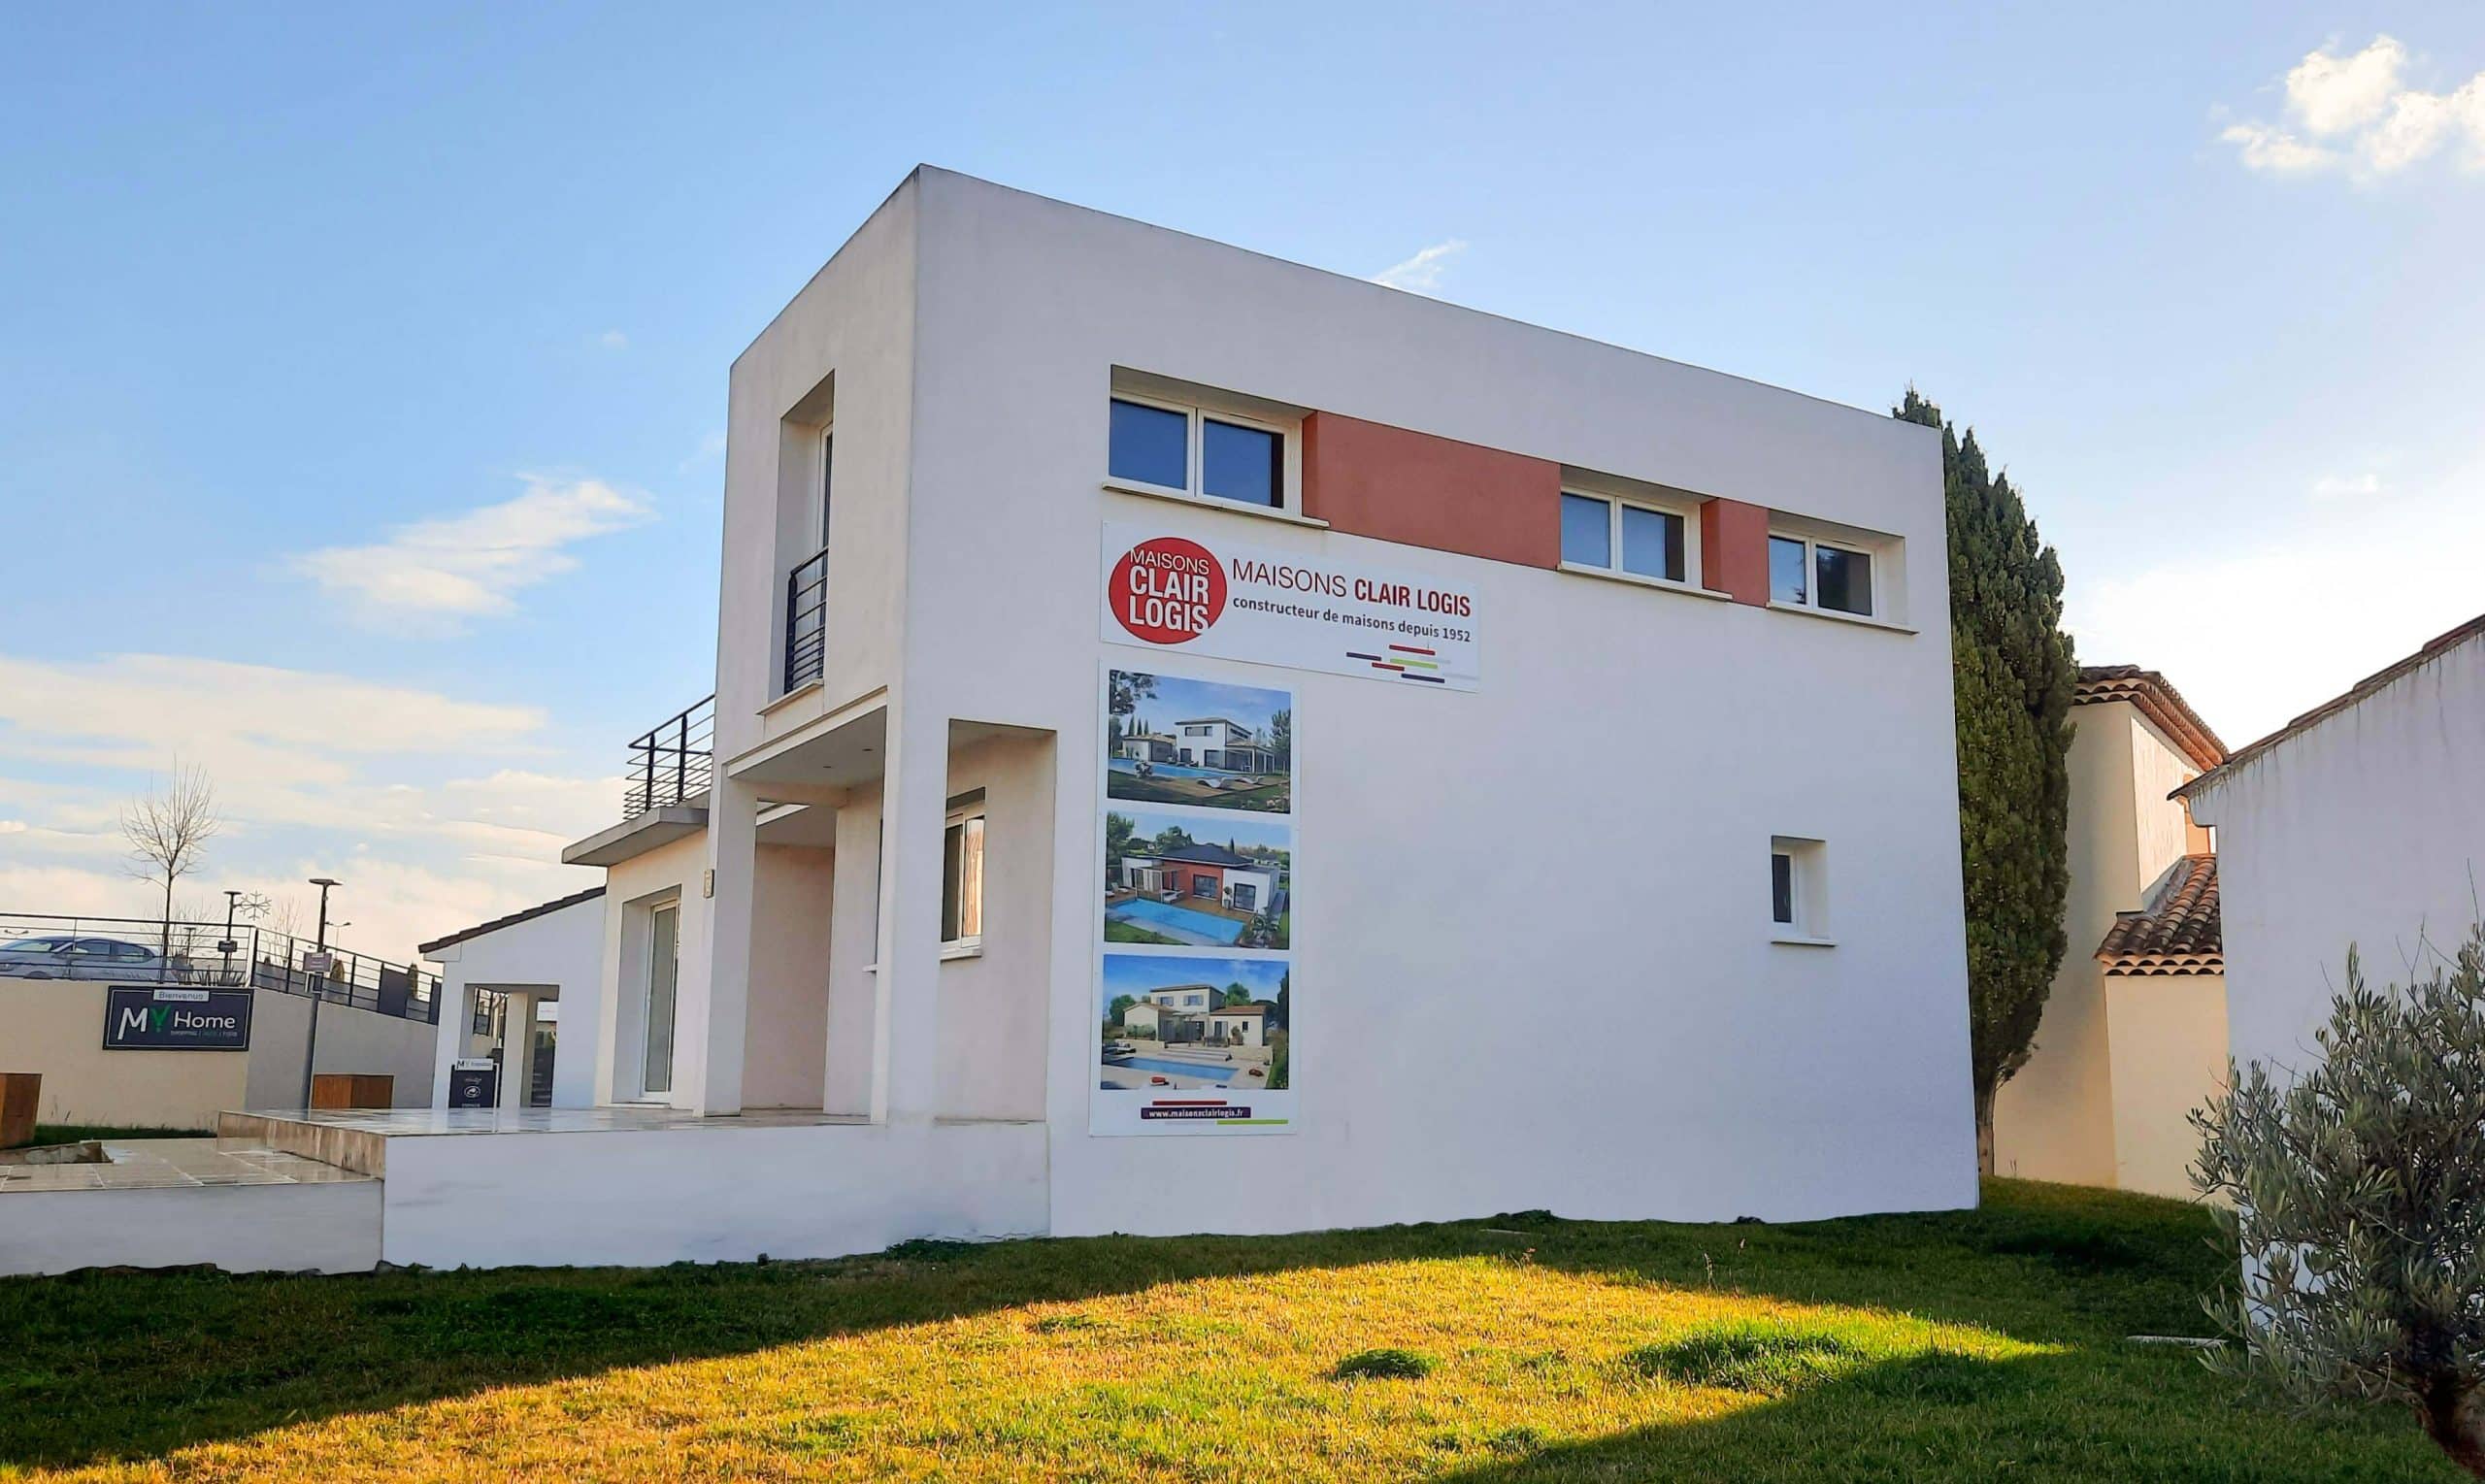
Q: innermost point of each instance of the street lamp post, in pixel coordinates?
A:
(318, 988)
(232, 895)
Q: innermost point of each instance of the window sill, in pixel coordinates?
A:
(808, 687)
(1800, 940)
(1834, 617)
(1636, 579)
(1209, 503)
(949, 951)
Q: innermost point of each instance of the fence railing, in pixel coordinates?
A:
(806, 620)
(672, 762)
(148, 950)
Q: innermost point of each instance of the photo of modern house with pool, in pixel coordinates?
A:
(1204, 882)
(1169, 740)
(1176, 1023)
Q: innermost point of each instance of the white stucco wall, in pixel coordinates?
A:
(560, 950)
(2367, 827)
(1754, 1078)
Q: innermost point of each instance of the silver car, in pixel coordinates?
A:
(63, 956)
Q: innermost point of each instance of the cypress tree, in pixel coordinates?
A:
(2012, 676)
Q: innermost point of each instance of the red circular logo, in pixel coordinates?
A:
(1167, 591)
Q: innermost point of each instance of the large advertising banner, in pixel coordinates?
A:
(167, 1018)
(1232, 602)
(1195, 917)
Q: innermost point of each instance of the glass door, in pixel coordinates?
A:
(664, 973)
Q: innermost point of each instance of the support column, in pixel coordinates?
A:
(913, 805)
(715, 986)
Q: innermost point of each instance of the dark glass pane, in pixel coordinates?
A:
(1242, 464)
(1652, 543)
(827, 484)
(1786, 571)
(1782, 888)
(1587, 531)
(1151, 446)
(1847, 579)
(953, 839)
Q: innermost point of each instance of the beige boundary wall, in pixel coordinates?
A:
(56, 1028)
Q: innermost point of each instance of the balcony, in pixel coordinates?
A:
(664, 788)
(806, 620)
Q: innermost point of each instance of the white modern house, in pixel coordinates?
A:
(1178, 1013)
(2359, 822)
(501, 983)
(1616, 785)
(2135, 1029)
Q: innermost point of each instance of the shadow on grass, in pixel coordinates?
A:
(133, 1365)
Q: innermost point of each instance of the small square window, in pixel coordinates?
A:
(1242, 464)
(1587, 531)
(1786, 564)
(1150, 445)
(1846, 579)
(1652, 542)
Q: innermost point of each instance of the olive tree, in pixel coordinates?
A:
(2356, 1197)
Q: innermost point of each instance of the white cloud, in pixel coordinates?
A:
(376, 782)
(2243, 627)
(2343, 486)
(444, 571)
(2363, 112)
(1422, 273)
(613, 340)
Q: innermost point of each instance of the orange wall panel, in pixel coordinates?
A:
(1733, 549)
(1366, 479)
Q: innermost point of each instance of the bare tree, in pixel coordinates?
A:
(167, 829)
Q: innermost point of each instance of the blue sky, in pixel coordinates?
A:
(1134, 974)
(302, 307)
(1177, 698)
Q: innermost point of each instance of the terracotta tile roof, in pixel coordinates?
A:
(2180, 933)
(511, 920)
(2443, 645)
(2156, 698)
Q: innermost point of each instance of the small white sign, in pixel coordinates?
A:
(186, 996)
(1164, 591)
(318, 962)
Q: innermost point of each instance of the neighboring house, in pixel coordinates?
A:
(1213, 742)
(1197, 1012)
(1148, 747)
(1203, 872)
(501, 996)
(1698, 621)
(2359, 822)
(2134, 1034)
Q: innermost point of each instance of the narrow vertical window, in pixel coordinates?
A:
(827, 482)
(1782, 888)
(664, 970)
(962, 882)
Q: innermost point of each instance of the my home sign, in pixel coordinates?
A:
(159, 1018)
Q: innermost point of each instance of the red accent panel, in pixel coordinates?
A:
(1733, 549)
(1368, 479)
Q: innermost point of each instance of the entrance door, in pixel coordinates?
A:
(664, 973)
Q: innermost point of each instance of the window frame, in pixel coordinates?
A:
(1194, 489)
(1806, 892)
(965, 944)
(1686, 512)
(1876, 613)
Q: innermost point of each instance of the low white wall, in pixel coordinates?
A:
(706, 1194)
(326, 1228)
(350, 1040)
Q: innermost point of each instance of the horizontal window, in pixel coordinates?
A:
(1621, 536)
(1807, 573)
(1188, 450)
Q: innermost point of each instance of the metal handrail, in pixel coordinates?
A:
(673, 761)
(806, 620)
(196, 954)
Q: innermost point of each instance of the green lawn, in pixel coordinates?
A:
(1983, 1345)
(72, 1133)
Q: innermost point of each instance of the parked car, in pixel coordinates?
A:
(1120, 1048)
(62, 956)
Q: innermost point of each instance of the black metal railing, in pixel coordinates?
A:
(148, 950)
(806, 620)
(671, 763)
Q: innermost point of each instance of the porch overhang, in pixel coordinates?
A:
(639, 835)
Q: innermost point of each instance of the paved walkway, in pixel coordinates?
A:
(173, 1164)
